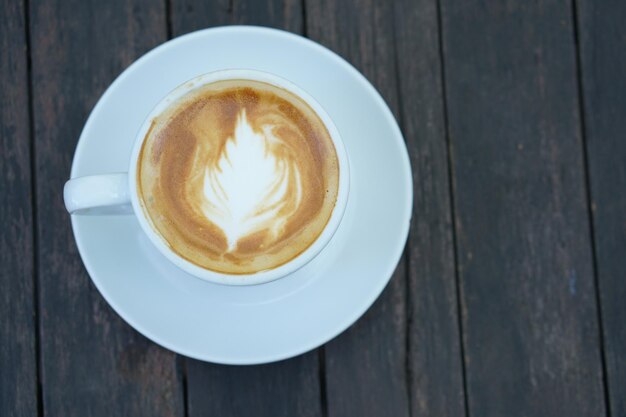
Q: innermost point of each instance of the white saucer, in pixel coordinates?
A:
(284, 318)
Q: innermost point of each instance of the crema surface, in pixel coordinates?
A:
(238, 176)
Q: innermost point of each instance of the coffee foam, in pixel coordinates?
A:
(238, 176)
(249, 187)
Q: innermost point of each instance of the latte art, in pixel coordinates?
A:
(251, 187)
(238, 176)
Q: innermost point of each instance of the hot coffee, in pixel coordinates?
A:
(238, 176)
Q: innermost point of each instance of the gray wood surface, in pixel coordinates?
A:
(602, 39)
(18, 337)
(434, 365)
(524, 255)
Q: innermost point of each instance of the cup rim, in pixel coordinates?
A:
(264, 276)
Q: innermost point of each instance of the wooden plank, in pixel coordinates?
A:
(603, 67)
(288, 388)
(18, 363)
(523, 243)
(93, 364)
(434, 341)
(189, 15)
(365, 366)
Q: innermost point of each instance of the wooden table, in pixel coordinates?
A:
(510, 299)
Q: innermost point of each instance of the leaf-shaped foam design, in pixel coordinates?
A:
(249, 187)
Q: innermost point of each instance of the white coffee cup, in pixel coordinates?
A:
(116, 193)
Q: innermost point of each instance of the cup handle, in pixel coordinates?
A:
(98, 195)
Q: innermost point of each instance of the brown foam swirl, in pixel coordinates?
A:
(239, 176)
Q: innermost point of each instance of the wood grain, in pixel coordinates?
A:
(18, 364)
(365, 366)
(603, 68)
(524, 252)
(288, 388)
(434, 341)
(284, 389)
(93, 364)
(189, 15)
